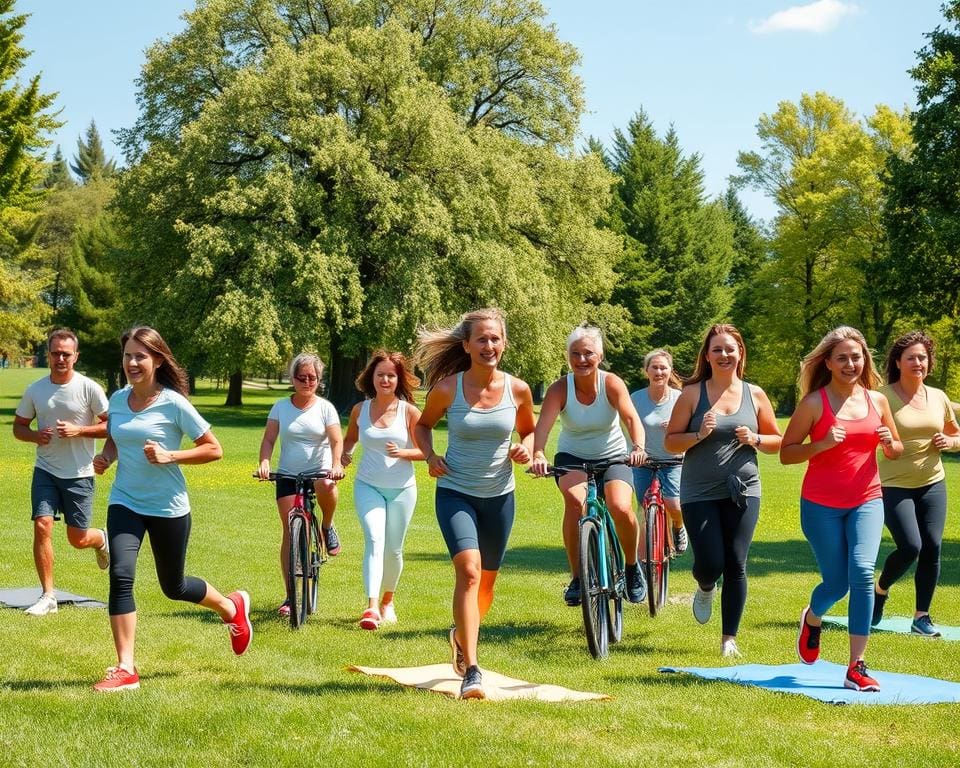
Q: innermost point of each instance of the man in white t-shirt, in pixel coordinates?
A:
(71, 411)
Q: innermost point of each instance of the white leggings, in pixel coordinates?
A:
(385, 515)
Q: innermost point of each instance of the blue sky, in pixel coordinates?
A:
(708, 67)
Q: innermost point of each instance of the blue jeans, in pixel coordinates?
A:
(845, 543)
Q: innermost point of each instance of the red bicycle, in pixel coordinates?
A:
(659, 537)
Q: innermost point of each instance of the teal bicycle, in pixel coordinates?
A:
(602, 565)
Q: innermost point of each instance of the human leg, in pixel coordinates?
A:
(494, 523)
(738, 526)
(327, 496)
(931, 518)
(399, 514)
(371, 509)
(619, 497)
(824, 528)
(46, 503)
(126, 530)
(573, 488)
(863, 529)
(900, 516)
(284, 505)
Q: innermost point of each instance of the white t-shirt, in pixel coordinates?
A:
(79, 401)
(304, 446)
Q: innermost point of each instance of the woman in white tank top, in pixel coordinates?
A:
(591, 404)
(385, 491)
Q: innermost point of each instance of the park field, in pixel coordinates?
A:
(292, 701)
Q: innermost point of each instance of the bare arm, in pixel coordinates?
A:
(353, 435)
(206, 448)
(550, 408)
(106, 457)
(335, 438)
(767, 437)
(270, 433)
(890, 442)
(793, 449)
(678, 439)
(414, 453)
(439, 399)
(22, 431)
(619, 398)
(69, 429)
(521, 452)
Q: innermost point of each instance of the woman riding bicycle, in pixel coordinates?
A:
(474, 497)
(591, 404)
(654, 404)
(309, 429)
(385, 490)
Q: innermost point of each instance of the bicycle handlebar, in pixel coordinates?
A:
(322, 474)
(589, 467)
(662, 463)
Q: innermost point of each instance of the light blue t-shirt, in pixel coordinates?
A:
(151, 489)
(653, 415)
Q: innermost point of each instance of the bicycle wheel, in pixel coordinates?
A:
(592, 598)
(315, 560)
(299, 572)
(618, 584)
(656, 548)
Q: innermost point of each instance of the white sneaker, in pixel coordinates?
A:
(703, 604)
(388, 614)
(103, 553)
(46, 604)
(729, 650)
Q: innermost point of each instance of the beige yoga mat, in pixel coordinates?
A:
(439, 678)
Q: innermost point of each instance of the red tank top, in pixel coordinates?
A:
(846, 475)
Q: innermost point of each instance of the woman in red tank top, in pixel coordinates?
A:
(841, 507)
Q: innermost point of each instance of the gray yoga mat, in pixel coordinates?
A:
(24, 597)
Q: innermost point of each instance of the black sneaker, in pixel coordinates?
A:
(333, 541)
(878, 602)
(571, 595)
(472, 685)
(636, 584)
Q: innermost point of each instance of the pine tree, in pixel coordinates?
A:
(91, 161)
(58, 174)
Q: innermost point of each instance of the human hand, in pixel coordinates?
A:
(44, 436)
(942, 442)
(67, 429)
(156, 453)
(540, 464)
(263, 471)
(886, 437)
(393, 450)
(835, 435)
(437, 465)
(745, 436)
(708, 425)
(637, 456)
(346, 459)
(100, 463)
(336, 472)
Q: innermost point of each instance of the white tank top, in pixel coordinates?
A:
(592, 431)
(376, 467)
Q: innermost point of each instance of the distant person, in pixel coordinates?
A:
(148, 420)
(721, 422)
(841, 505)
(591, 404)
(71, 410)
(655, 404)
(914, 485)
(475, 483)
(308, 427)
(385, 489)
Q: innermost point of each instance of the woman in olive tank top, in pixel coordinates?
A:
(474, 499)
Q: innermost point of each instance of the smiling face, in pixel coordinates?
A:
(139, 364)
(584, 357)
(914, 362)
(846, 362)
(62, 356)
(486, 343)
(658, 370)
(385, 378)
(723, 353)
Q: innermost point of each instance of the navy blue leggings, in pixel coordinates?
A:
(915, 517)
(168, 540)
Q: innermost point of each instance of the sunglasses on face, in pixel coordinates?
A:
(306, 379)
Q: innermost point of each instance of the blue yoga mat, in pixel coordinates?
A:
(900, 624)
(24, 597)
(823, 681)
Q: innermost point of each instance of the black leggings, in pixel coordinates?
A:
(720, 534)
(915, 517)
(168, 540)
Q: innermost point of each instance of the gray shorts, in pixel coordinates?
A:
(72, 497)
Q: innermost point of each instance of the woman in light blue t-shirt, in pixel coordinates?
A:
(147, 422)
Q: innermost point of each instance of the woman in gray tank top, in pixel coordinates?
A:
(591, 403)
(474, 497)
(721, 421)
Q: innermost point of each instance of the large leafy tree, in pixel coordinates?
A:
(334, 174)
(24, 124)
(823, 168)
(672, 278)
(923, 203)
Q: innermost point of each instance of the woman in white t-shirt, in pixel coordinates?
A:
(385, 491)
(310, 440)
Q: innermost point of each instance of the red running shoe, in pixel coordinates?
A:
(118, 679)
(858, 679)
(241, 630)
(808, 640)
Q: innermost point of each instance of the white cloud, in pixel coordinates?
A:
(818, 17)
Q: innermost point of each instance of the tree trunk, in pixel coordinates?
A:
(344, 370)
(235, 390)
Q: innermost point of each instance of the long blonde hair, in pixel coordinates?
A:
(814, 373)
(440, 353)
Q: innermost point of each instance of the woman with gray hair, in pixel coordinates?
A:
(310, 439)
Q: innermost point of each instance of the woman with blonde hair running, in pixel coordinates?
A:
(475, 483)
(841, 505)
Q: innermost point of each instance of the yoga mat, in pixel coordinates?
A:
(823, 681)
(24, 597)
(899, 624)
(439, 678)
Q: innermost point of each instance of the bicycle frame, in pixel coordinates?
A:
(595, 508)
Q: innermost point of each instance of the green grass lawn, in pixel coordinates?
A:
(291, 699)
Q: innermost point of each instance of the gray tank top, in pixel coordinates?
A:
(591, 431)
(479, 444)
(709, 463)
